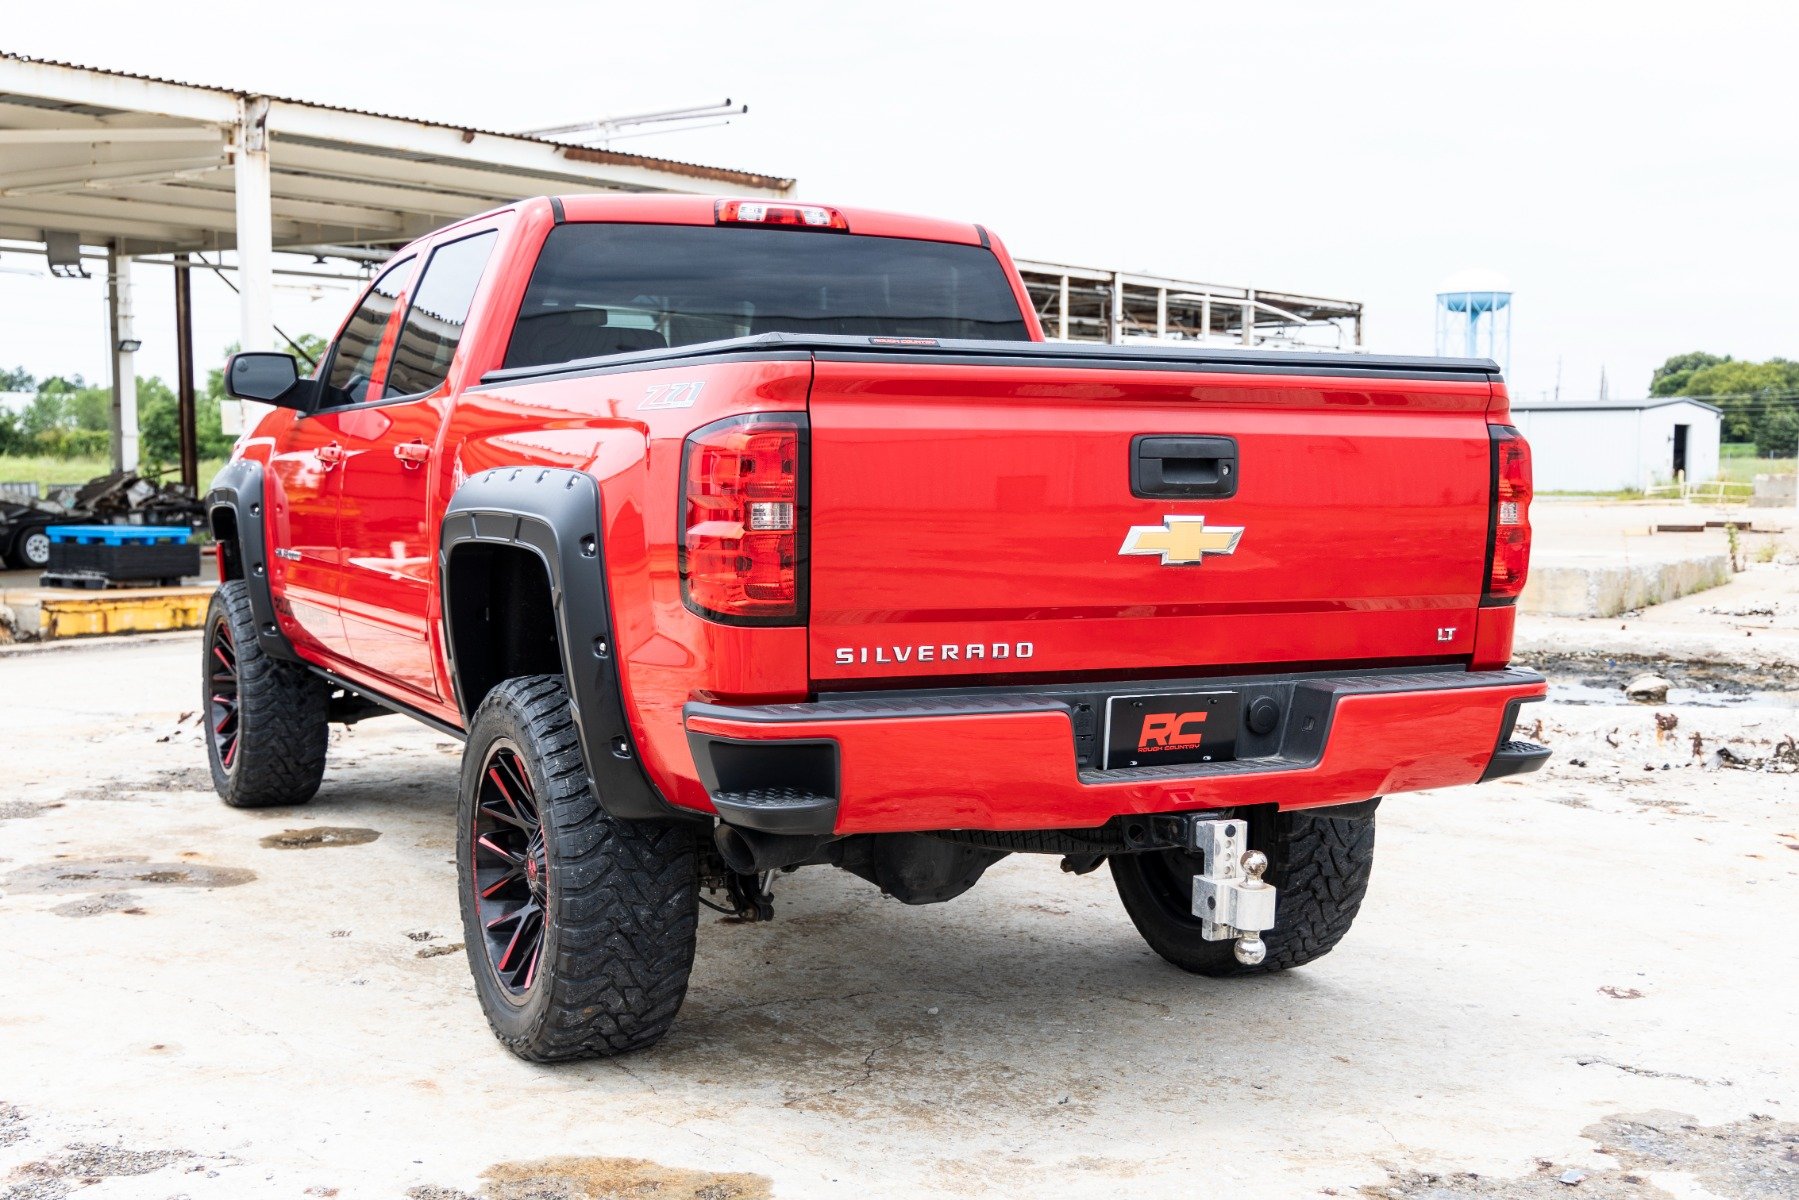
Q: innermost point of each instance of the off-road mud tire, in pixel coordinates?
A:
(1320, 863)
(282, 708)
(620, 898)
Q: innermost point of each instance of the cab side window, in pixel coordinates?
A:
(435, 318)
(353, 358)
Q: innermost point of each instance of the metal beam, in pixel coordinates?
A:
(223, 200)
(98, 134)
(87, 173)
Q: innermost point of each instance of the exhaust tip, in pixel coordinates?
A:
(735, 849)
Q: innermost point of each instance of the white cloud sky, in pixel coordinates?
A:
(1631, 167)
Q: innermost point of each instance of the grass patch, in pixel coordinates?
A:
(1620, 494)
(1738, 469)
(47, 471)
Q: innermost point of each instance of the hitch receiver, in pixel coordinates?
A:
(1231, 899)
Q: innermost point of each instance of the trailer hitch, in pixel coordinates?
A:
(1230, 898)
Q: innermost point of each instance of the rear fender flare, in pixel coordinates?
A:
(554, 514)
(234, 514)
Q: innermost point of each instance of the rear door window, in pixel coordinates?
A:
(436, 317)
(601, 289)
(359, 345)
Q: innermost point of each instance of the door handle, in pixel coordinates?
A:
(330, 454)
(1177, 467)
(412, 454)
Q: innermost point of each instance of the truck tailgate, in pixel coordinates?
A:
(973, 517)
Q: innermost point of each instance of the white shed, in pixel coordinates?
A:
(1615, 445)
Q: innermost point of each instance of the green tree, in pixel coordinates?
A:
(1760, 400)
(1672, 377)
(1778, 436)
(1749, 393)
(158, 425)
(13, 439)
(17, 379)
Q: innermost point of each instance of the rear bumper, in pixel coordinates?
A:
(1016, 760)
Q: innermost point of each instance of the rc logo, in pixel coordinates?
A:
(1170, 731)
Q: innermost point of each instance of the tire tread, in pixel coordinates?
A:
(627, 911)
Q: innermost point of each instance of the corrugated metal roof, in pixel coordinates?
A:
(754, 179)
(1607, 405)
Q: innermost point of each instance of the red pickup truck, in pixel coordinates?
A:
(738, 536)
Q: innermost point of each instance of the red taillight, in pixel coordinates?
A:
(1510, 516)
(743, 520)
(759, 212)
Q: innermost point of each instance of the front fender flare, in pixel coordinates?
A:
(238, 491)
(555, 514)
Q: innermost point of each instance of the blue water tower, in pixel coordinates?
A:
(1474, 317)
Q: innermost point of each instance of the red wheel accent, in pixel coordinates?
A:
(222, 691)
(510, 882)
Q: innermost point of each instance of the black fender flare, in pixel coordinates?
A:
(554, 513)
(238, 489)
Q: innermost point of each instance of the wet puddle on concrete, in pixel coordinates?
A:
(575, 1178)
(322, 835)
(122, 874)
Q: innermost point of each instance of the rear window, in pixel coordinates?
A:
(607, 289)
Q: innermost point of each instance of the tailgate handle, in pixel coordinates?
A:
(1175, 467)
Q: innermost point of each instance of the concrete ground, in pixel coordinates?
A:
(1577, 982)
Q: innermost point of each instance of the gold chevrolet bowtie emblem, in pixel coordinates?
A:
(1182, 541)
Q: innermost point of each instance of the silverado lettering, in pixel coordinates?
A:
(944, 652)
(736, 536)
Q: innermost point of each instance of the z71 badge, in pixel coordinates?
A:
(671, 395)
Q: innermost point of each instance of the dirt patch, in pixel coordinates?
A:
(1756, 1158)
(105, 902)
(321, 835)
(81, 1165)
(1610, 671)
(184, 779)
(15, 810)
(1549, 1179)
(596, 1178)
(118, 874)
(438, 951)
(12, 1125)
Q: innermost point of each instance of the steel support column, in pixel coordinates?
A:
(255, 236)
(184, 378)
(124, 361)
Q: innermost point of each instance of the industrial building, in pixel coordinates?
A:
(104, 168)
(1620, 445)
(1085, 304)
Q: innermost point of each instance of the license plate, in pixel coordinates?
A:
(1177, 728)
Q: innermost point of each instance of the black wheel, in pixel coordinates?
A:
(579, 927)
(1319, 862)
(265, 718)
(31, 552)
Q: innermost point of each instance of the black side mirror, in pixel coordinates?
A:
(269, 377)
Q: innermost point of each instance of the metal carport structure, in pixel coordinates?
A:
(140, 166)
